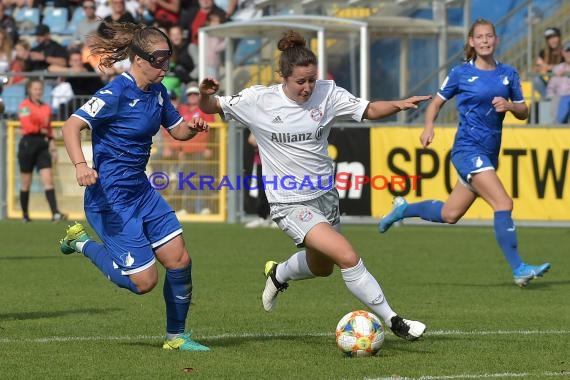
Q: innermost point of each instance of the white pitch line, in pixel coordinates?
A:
(476, 376)
(57, 339)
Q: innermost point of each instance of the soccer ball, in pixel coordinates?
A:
(359, 333)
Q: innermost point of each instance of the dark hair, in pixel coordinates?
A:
(220, 15)
(294, 53)
(468, 49)
(116, 41)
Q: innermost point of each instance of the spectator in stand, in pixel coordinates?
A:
(5, 51)
(82, 86)
(547, 58)
(21, 62)
(181, 63)
(216, 46)
(47, 51)
(89, 24)
(199, 19)
(558, 88)
(229, 6)
(187, 8)
(247, 10)
(36, 148)
(166, 12)
(119, 12)
(190, 156)
(103, 8)
(8, 23)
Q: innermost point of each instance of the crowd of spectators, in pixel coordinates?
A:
(45, 53)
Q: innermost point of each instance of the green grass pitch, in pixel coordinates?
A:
(61, 319)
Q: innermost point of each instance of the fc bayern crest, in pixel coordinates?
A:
(305, 215)
(316, 114)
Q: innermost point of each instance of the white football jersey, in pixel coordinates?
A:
(292, 137)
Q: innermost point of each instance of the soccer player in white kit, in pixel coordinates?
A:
(291, 122)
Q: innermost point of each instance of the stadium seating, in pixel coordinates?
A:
(77, 16)
(56, 19)
(13, 96)
(27, 19)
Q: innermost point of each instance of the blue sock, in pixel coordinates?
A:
(99, 256)
(506, 236)
(177, 293)
(427, 210)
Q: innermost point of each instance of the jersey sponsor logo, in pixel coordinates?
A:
(472, 79)
(316, 114)
(290, 137)
(277, 120)
(103, 92)
(353, 100)
(93, 106)
(512, 229)
(319, 132)
(134, 102)
(506, 81)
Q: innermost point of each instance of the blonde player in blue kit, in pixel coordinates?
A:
(291, 122)
(135, 223)
(483, 87)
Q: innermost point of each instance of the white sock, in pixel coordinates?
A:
(294, 269)
(79, 245)
(170, 336)
(365, 287)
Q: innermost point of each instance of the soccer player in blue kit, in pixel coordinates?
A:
(133, 220)
(486, 89)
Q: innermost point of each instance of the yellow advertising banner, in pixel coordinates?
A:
(534, 166)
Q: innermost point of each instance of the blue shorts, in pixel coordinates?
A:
(132, 232)
(468, 163)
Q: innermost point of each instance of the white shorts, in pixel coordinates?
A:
(297, 219)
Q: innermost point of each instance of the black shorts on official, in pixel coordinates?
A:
(33, 151)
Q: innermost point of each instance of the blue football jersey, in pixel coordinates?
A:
(480, 125)
(123, 119)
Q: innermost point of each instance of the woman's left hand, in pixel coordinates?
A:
(501, 104)
(198, 124)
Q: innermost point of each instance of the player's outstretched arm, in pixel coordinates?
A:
(383, 108)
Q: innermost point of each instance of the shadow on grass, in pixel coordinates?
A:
(53, 314)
